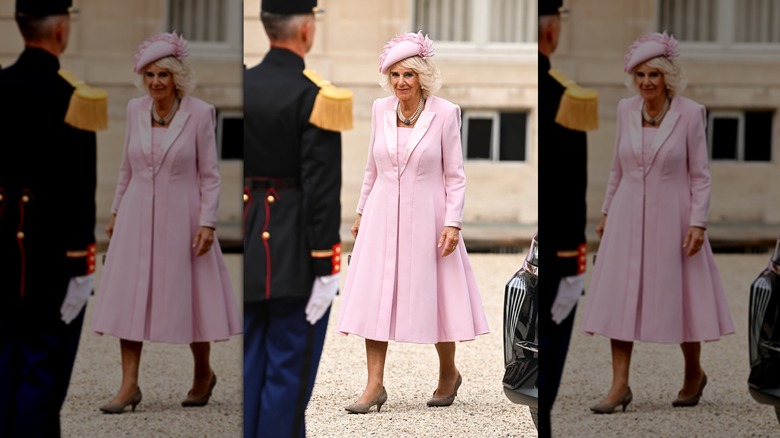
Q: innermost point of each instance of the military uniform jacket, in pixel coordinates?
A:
(562, 190)
(47, 191)
(292, 174)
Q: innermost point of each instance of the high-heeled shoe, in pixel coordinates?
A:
(119, 407)
(363, 408)
(692, 400)
(608, 408)
(203, 400)
(445, 401)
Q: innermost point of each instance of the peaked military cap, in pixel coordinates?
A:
(550, 7)
(42, 8)
(289, 6)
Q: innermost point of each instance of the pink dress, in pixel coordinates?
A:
(644, 287)
(398, 286)
(153, 287)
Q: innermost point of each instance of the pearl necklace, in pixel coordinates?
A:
(165, 120)
(414, 117)
(657, 119)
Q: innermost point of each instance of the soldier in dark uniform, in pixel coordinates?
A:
(47, 220)
(292, 250)
(565, 113)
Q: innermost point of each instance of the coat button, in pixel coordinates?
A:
(266, 235)
(25, 199)
(270, 199)
(246, 197)
(1, 196)
(20, 235)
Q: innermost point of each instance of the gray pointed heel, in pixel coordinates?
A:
(445, 401)
(364, 408)
(608, 408)
(118, 408)
(203, 400)
(693, 400)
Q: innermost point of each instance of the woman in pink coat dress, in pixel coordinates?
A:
(410, 279)
(655, 279)
(164, 279)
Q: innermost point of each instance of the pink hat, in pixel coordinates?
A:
(404, 46)
(158, 47)
(649, 46)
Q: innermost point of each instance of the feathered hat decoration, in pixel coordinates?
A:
(159, 46)
(649, 46)
(404, 46)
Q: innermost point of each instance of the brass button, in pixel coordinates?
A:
(91, 268)
(266, 235)
(20, 235)
(1, 196)
(270, 199)
(337, 258)
(92, 258)
(246, 197)
(25, 199)
(338, 249)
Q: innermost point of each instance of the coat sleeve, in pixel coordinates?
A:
(616, 171)
(369, 176)
(125, 172)
(698, 167)
(454, 174)
(321, 185)
(208, 168)
(81, 163)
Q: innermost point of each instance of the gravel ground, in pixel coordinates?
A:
(480, 410)
(726, 408)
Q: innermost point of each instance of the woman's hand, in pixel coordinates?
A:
(449, 240)
(356, 226)
(110, 226)
(602, 225)
(694, 239)
(204, 238)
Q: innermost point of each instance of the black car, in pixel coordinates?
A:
(764, 335)
(521, 354)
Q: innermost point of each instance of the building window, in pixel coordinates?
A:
(740, 135)
(495, 136)
(207, 23)
(721, 21)
(230, 135)
(477, 21)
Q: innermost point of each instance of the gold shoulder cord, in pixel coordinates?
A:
(88, 107)
(333, 107)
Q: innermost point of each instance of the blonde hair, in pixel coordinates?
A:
(427, 72)
(674, 75)
(183, 76)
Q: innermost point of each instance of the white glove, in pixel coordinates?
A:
(79, 290)
(569, 292)
(323, 291)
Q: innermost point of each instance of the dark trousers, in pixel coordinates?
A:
(281, 355)
(553, 347)
(36, 363)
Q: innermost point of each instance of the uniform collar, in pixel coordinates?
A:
(39, 59)
(544, 62)
(284, 57)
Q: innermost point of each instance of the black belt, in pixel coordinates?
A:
(263, 182)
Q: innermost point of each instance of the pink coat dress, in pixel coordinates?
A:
(398, 286)
(153, 287)
(644, 287)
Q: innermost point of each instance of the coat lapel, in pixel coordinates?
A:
(635, 131)
(391, 136)
(177, 125)
(667, 125)
(145, 130)
(420, 128)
